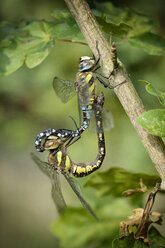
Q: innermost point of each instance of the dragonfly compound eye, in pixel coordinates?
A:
(86, 63)
(50, 144)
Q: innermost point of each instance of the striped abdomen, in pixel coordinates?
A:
(86, 90)
(84, 169)
(60, 159)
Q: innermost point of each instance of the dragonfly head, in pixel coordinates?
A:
(52, 142)
(86, 63)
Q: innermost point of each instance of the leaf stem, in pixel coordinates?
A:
(125, 92)
(77, 42)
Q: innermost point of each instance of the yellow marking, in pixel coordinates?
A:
(59, 158)
(88, 168)
(100, 136)
(52, 137)
(94, 166)
(84, 170)
(80, 170)
(102, 150)
(67, 163)
(89, 106)
(98, 123)
(97, 112)
(74, 168)
(92, 87)
(91, 99)
(88, 78)
(98, 163)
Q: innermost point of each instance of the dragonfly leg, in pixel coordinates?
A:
(74, 121)
(68, 138)
(103, 75)
(71, 143)
(96, 68)
(107, 85)
(98, 55)
(98, 62)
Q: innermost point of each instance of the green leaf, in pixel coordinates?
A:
(31, 42)
(77, 229)
(151, 43)
(116, 180)
(10, 59)
(126, 21)
(153, 121)
(63, 15)
(128, 242)
(155, 238)
(35, 59)
(67, 27)
(81, 231)
(123, 242)
(153, 91)
(131, 26)
(117, 29)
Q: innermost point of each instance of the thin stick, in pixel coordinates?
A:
(126, 92)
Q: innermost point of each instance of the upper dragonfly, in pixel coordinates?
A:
(60, 161)
(84, 85)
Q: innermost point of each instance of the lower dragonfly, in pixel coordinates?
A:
(60, 161)
(84, 85)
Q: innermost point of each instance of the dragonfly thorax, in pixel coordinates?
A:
(60, 160)
(86, 63)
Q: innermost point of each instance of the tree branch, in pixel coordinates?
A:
(126, 92)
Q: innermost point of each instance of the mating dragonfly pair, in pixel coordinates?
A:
(57, 141)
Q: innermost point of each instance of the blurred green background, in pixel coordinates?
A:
(29, 105)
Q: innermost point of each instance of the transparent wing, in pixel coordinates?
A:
(64, 89)
(57, 193)
(76, 189)
(79, 110)
(45, 167)
(48, 170)
(108, 121)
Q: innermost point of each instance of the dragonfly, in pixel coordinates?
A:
(84, 86)
(60, 162)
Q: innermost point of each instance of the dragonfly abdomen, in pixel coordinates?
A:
(81, 170)
(84, 169)
(87, 98)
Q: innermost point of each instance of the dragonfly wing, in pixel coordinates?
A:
(79, 110)
(64, 89)
(45, 167)
(57, 193)
(76, 189)
(48, 170)
(108, 122)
